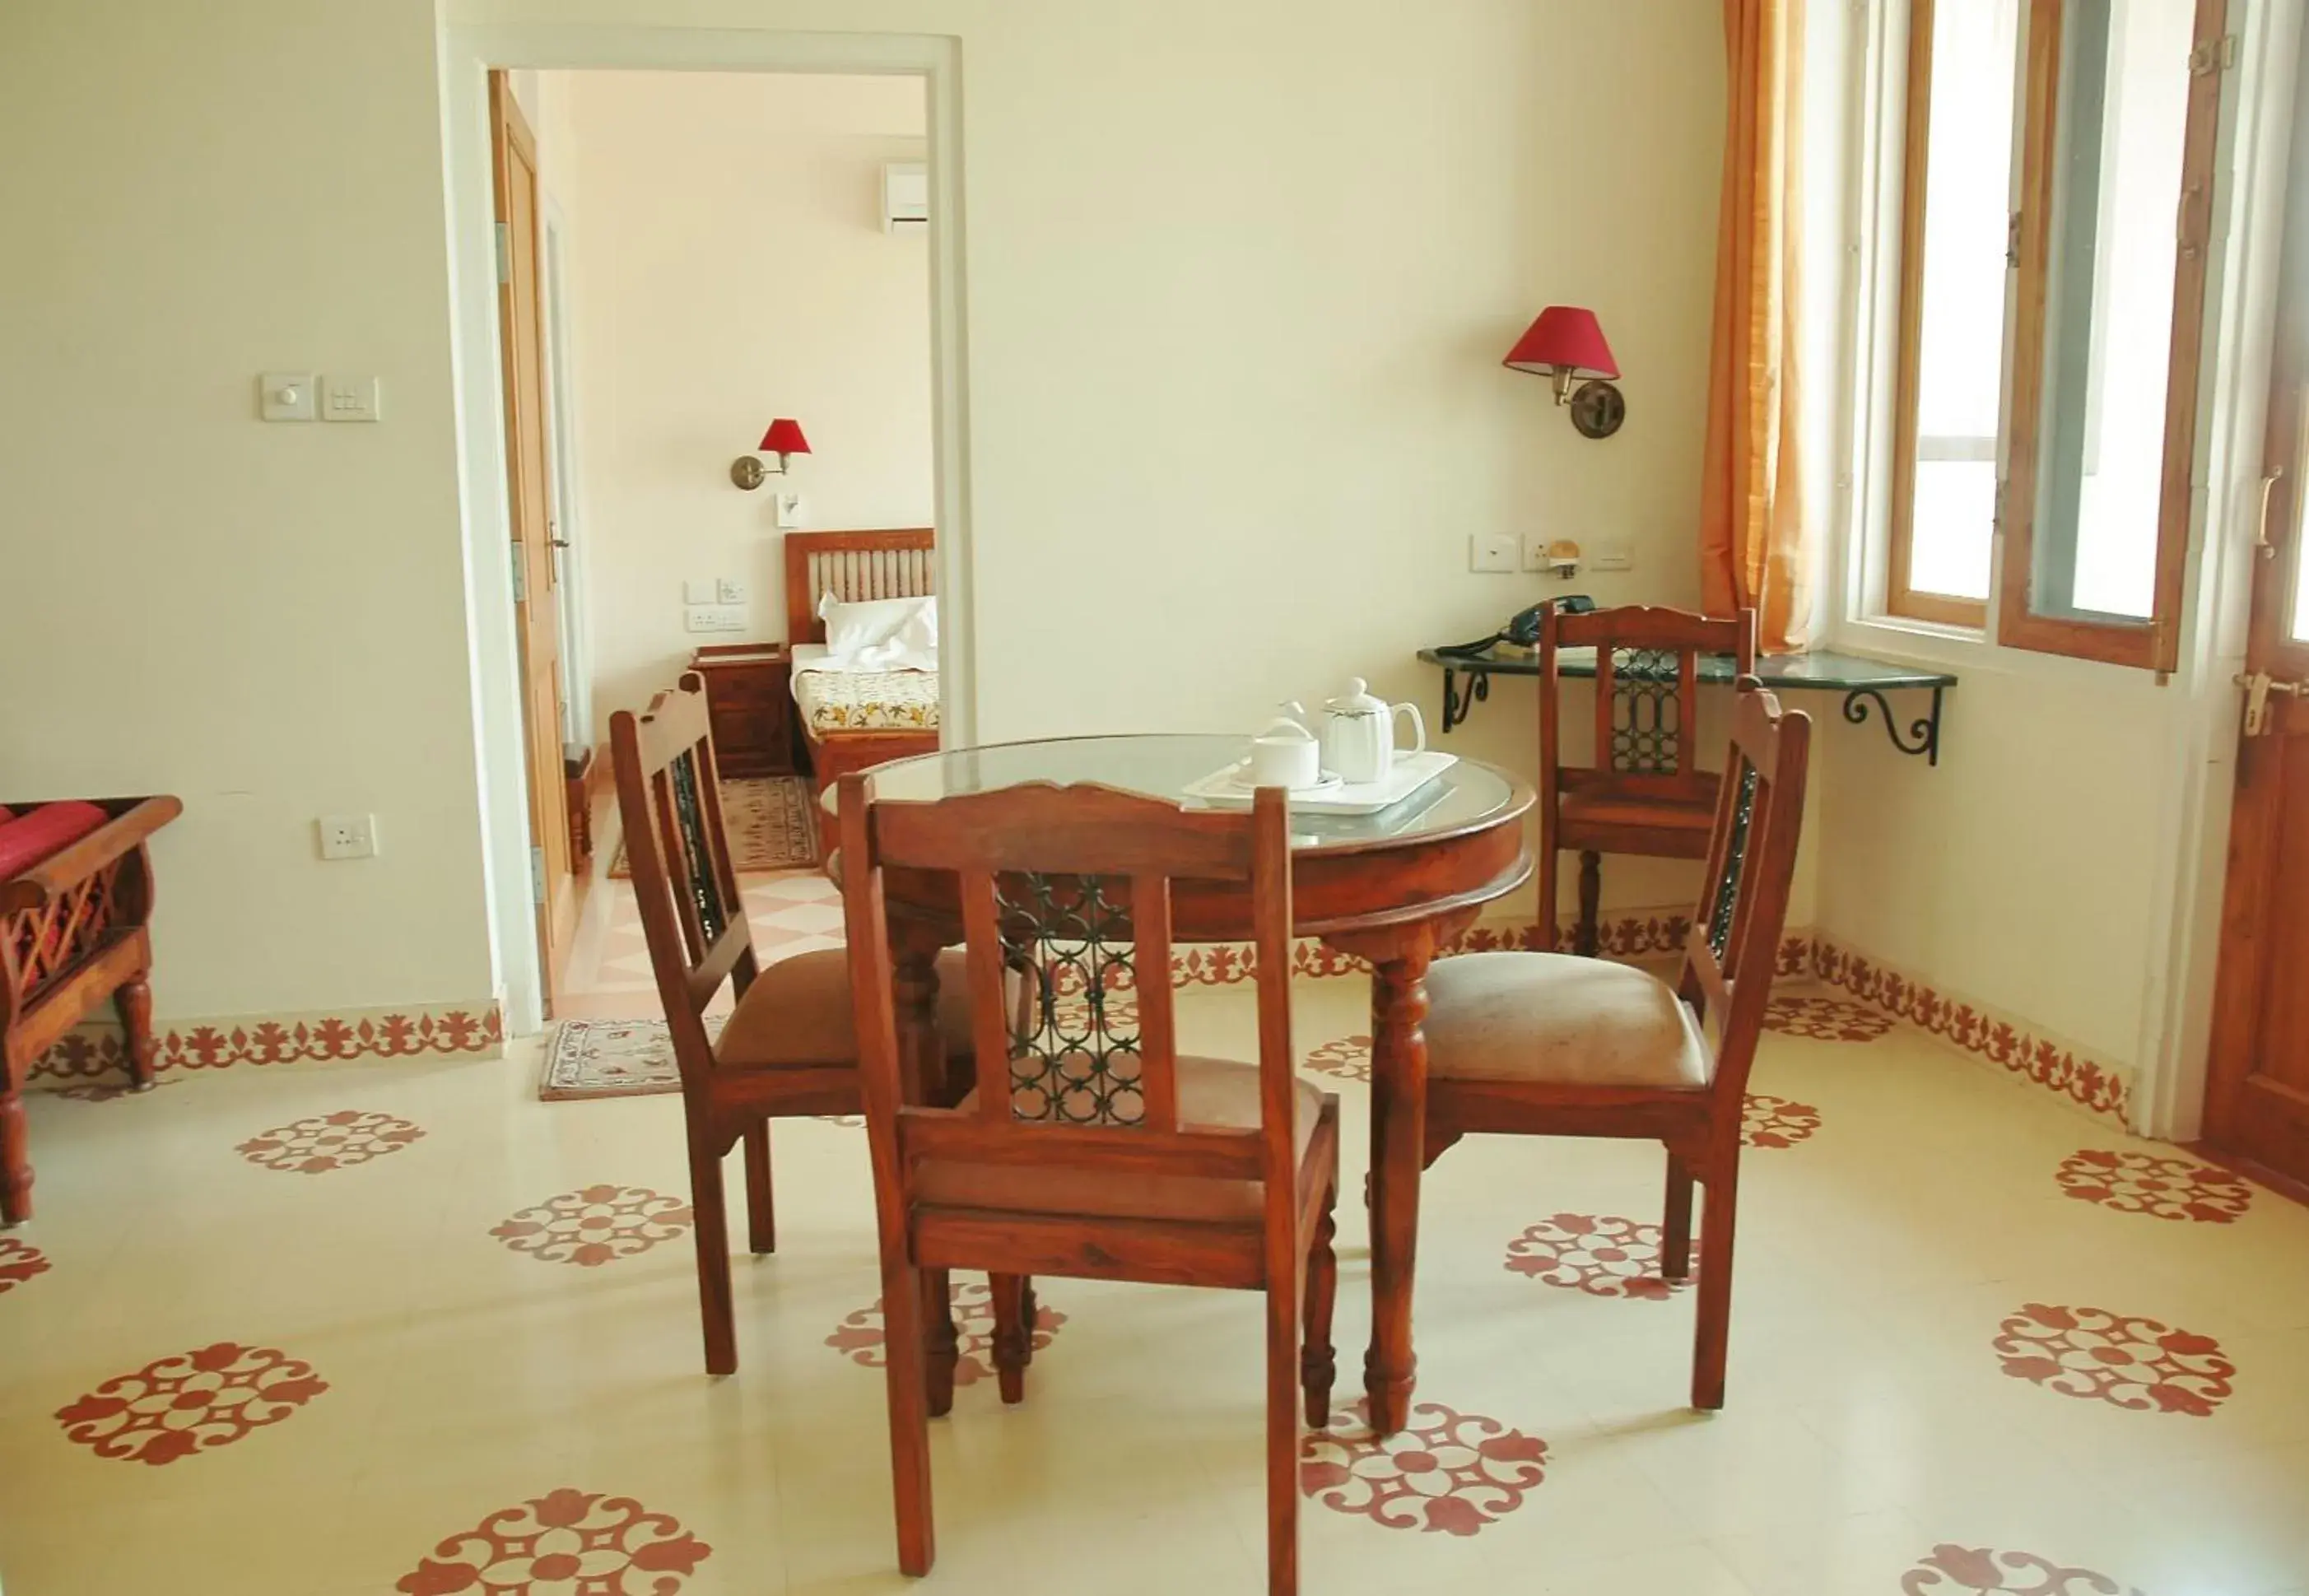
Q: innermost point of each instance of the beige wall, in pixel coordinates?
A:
(266, 620)
(730, 265)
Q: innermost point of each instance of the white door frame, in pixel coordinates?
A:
(468, 53)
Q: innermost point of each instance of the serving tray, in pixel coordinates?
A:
(1231, 789)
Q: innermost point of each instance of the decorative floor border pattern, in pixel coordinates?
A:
(95, 1052)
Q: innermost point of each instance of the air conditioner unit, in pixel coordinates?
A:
(905, 195)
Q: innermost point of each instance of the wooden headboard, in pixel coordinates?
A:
(894, 564)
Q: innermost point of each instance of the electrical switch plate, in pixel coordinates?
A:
(714, 617)
(730, 590)
(286, 396)
(1535, 551)
(349, 399)
(791, 509)
(1612, 556)
(700, 590)
(348, 836)
(1492, 551)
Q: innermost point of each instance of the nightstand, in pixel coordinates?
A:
(749, 699)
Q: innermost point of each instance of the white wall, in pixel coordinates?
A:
(265, 620)
(733, 266)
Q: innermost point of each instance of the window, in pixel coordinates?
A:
(2051, 318)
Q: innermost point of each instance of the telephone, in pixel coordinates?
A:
(1522, 628)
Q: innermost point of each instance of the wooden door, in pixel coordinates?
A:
(520, 323)
(2257, 1102)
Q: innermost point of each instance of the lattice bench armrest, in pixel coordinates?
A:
(59, 873)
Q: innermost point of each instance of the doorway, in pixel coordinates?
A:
(2257, 1100)
(512, 771)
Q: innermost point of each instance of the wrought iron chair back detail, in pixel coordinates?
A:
(1724, 892)
(1075, 1056)
(1647, 728)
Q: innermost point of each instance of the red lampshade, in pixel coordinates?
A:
(1565, 340)
(784, 438)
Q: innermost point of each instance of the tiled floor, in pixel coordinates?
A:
(328, 1329)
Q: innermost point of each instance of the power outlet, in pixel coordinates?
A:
(348, 836)
(714, 617)
(1492, 551)
(729, 590)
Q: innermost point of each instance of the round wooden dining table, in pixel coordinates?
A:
(1391, 888)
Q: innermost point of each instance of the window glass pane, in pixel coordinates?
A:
(2121, 125)
(1960, 349)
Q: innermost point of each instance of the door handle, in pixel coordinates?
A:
(2260, 687)
(558, 542)
(2261, 542)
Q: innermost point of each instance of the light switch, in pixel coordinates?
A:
(349, 399)
(1492, 551)
(701, 589)
(791, 509)
(285, 396)
(1612, 556)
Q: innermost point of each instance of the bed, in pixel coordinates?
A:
(851, 719)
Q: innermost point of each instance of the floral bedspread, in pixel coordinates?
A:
(869, 700)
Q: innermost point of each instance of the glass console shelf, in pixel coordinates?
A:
(1862, 683)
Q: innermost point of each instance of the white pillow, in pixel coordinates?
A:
(883, 632)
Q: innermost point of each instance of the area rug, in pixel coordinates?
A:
(771, 821)
(589, 1059)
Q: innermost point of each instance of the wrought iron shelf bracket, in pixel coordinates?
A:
(1923, 734)
(1457, 706)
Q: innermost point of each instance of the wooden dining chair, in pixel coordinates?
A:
(1553, 1045)
(1645, 793)
(788, 1048)
(1089, 1146)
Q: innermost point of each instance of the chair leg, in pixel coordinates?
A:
(134, 999)
(1011, 1335)
(1712, 1335)
(909, 1435)
(942, 1342)
(1586, 941)
(15, 1159)
(1030, 1308)
(1284, 1286)
(1317, 1362)
(761, 1215)
(712, 1237)
(1675, 1229)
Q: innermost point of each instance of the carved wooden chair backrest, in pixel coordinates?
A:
(670, 809)
(1733, 948)
(1078, 882)
(1647, 698)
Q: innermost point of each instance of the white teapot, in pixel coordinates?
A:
(1359, 734)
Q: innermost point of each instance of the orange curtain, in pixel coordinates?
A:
(1752, 551)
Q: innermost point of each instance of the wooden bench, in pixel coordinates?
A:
(76, 931)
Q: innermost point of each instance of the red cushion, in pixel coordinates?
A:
(50, 829)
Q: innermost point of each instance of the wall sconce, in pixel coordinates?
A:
(784, 440)
(1567, 343)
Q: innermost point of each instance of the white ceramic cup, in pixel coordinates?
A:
(1281, 760)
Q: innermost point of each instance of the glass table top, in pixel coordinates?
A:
(1822, 668)
(1468, 795)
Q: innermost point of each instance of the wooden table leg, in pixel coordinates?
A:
(1399, 1141)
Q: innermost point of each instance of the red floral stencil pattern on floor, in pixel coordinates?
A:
(1453, 1472)
(194, 1402)
(564, 1543)
(1776, 1121)
(1825, 1019)
(2174, 1189)
(596, 1225)
(18, 1262)
(327, 1142)
(1602, 1255)
(1348, 1058)
(2127, 1362)
(104, 1092)
(861, 1335)
(1954, 1569)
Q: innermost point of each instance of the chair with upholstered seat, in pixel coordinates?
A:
(1555, 1045)
(790, 1047)
(1088, 1146)
(1645, 792)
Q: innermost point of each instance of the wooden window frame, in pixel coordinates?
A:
(1901, 597)
(2151, 643)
